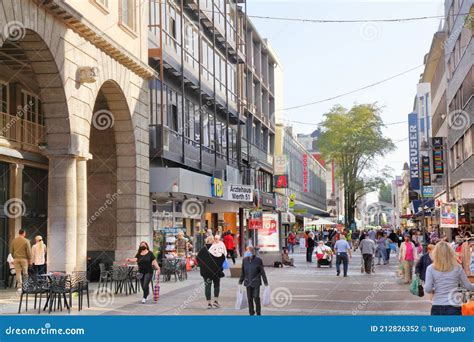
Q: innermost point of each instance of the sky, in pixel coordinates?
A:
(324, 60)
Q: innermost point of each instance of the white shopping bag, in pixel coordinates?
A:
(267, 294)
(241, 300)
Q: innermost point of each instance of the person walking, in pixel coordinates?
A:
(424, 262)
(388, 249)
(210, 260)
(407, 256)
(367, 249)
(310, 248)
(251, 277)
(381, 249)
(343, 253)
(291, 242)
(38, 252)
(443, 277)
(21, 252)
(181, 245)
(146, 263)
(229, 245)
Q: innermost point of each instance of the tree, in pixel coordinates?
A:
(385, 193)
(353, 139)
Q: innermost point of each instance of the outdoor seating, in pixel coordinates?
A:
(122, 278)
(33, 285)
(105, 277)
(59, 287)
(79, 284)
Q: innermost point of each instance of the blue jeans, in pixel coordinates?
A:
(291, 248)
(445, 310)
(344, 258)
(382, 254)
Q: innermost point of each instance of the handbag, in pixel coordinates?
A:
(156, 289)
(241, 299)
(267, 293)
(225, 265)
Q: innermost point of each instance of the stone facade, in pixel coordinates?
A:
(86, 162)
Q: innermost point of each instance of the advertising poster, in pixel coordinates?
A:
(268, 240)
(449, 215)
(256, 219)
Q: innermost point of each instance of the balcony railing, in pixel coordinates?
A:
(16, 129)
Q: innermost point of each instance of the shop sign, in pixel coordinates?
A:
(449, 215)
(414, 151)
(268, 200)
(426, 168)
(305, 173)
(280, 165)
(241, 193)
(280, 182)
(169, 230)
(438, 163)
(300, 211)
(217, 187)
(428, 191)
(281, 202)
(292, 200)
(256, 219)
(268, 239)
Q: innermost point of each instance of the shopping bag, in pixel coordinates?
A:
(393, 247)
(267, 294)
(415, 286)
(225, 265)
(188, 264)
(467, 309)
(241, 299)
(400, 271)
(156, 289)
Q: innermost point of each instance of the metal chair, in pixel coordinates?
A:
(60, 285)
(105, 276)
(79, 284)
(32, 285)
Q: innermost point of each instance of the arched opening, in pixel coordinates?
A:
(33, 122)
(111, 175)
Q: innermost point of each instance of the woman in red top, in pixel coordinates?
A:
(229, 245)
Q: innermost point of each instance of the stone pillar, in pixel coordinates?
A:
(81, 240)
(16, 191)
(62, 213)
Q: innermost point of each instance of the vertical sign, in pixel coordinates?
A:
(305, 172)
(438, 157)
(414, 151)
(280, 165)
(256, 219)
(425, 166)
(449, 215)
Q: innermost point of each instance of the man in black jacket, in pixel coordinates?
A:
(251, 276)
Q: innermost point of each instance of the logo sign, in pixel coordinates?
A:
(217, 187)
(280, 182)
(438, 157)
(425, 165)
(428, 191)
(280, 164)
(241, 193)
(305, 173)
(256, 219)
(449, 215)
(399, 182)
(414, 151)
(292, 201)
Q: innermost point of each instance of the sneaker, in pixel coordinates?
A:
(209, 306)
(143, 300)
(338, 273)
(216, 304)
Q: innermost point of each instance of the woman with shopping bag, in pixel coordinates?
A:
(251, 276)
(211, 260)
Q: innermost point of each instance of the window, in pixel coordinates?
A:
(3, 97)
(127, 13)
(31, 108)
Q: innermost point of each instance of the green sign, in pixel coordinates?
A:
(300, 211)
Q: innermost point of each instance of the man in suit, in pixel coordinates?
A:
(251, 276)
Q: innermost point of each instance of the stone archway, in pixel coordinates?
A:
(111, 177)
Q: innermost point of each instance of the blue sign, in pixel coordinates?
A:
(428, 191)
(414, 148)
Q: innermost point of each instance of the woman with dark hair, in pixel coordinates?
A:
(146, 263)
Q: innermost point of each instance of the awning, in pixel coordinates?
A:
(417, 204)
(320, 222)
(307, 210)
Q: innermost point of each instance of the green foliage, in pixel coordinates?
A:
(385, 193)
(353, 139)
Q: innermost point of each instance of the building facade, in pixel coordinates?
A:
(305, 176)
(212, 122)
(68, 175)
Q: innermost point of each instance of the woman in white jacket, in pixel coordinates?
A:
(407, 256)
(38, 252)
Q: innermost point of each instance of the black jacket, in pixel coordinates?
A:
(252, 272)
(422, 265)
(210, 266)
(310, 243)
